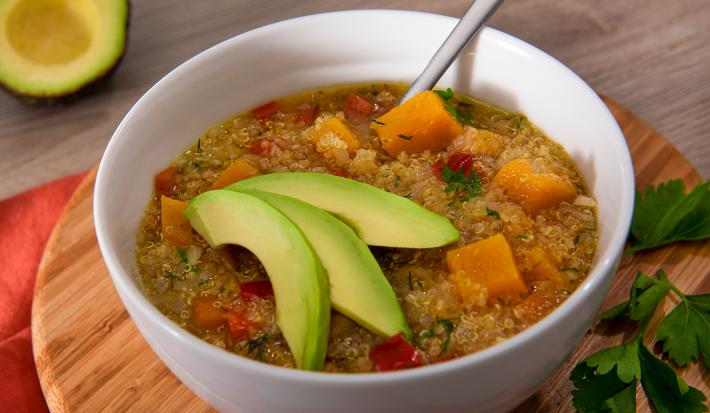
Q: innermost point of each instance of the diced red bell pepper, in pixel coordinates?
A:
(460, 162)
(238, 324)
(262, 147)
(337, 172)
(395, 353)
(256, 289)
(165, 181)
(437, 167)
(457, 162)
(308, 115)
(266, 111)
(356, 107)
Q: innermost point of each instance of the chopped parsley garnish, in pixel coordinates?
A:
(182, 254)
(203, 282)
(471, 185)
(405, 137)
(199, 145)
(447, 325)
(172, 277)
(195, 269)
(492, 213)
(461, 115)
(257, 344)
(377, 122)
(606, 380)
(666, 214)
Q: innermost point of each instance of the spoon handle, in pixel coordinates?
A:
(470, 24)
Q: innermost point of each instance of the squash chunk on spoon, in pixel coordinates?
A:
(298, 278)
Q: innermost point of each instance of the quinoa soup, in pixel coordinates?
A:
(525, 219)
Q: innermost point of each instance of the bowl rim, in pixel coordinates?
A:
(594, 280)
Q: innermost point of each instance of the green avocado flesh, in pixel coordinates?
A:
(299, 280)
(55, 48)
(378, 217)
(358, 288)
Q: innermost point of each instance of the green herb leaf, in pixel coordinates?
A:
(377, 122)
(596, 393)
(471, 185)
(405, 137)
(623, 401)
(199, 146)
(492, 213)
(448, 329)
(623, 357)
(668, 392)
(685, 331)
(182, 254)
(172, 277)
(664, 214)
(645, 295)
(615, 311)
(461, 115)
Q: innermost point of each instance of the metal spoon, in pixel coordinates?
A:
(470, 24)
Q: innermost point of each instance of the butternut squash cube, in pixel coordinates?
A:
(541, 267)
(533, 191)
(486, 142)
(325, 136)
(174, 226)
(235, 172)
(421, 123)
(536, 306)
(205, 314)
(488, 262)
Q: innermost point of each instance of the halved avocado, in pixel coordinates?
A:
(53, 50)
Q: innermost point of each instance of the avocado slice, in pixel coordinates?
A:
(54, 50)
(299, 280)
(378, 217)
(358, 288)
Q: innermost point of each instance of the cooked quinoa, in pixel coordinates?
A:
(445, 325)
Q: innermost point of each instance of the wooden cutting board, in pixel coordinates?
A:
(90, 356)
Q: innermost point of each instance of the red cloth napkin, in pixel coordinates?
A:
(26, 221)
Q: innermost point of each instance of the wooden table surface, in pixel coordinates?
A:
(652, 56)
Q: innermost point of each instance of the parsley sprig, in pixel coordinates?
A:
(606, 380)
(447, 326)
(665, 214)
(462, 116)
(471, 185)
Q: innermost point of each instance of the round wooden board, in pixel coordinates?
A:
(90, 356)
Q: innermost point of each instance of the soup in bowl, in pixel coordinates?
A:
(499, 229)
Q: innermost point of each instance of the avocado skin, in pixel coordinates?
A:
(92, 86)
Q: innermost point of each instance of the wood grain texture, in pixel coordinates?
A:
(90, 357)
(650, 55)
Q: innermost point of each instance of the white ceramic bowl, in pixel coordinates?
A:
(340, 48)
